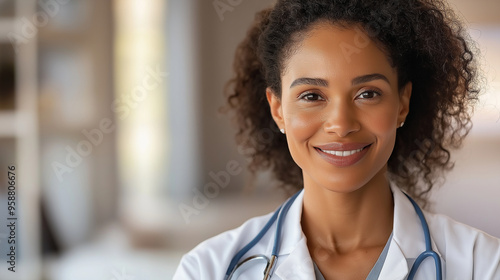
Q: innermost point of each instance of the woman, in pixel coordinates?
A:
(369, 97)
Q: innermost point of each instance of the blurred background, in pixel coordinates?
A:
(109, 111)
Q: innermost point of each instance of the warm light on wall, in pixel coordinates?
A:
(141, 84)
(487, 113)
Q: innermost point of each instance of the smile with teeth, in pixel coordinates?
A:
(342, 153)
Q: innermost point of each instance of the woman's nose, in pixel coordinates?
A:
(340, 119)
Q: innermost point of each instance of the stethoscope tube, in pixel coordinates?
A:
(279, 214)
(234, 262)
(428, 247)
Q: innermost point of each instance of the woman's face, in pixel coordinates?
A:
(340, 107)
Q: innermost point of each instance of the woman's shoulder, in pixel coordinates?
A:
(210, 258)
(453, 230)
(479, 251)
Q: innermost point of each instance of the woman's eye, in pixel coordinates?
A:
(368, 94)
(311, 97)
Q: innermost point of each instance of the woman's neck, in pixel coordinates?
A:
(346, 222)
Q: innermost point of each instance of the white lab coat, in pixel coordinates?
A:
(466, 253)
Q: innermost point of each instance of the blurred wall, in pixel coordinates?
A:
(219, 34)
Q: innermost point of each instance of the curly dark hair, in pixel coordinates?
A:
(423, 40)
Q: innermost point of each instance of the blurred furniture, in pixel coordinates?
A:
(19, 136)
(56, 88)
(75, 84)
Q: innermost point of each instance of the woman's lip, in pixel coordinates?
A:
(344, 161)
(336, 146)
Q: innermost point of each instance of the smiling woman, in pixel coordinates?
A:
(341, 134)
(355, 88)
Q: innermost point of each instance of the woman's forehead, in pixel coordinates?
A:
(330, 51)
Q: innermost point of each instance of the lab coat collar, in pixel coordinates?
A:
(291, 232)
(298, 264)
(408, 240)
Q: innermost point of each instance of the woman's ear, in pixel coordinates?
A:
(276, 109)
(404, 102)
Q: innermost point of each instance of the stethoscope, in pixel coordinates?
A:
(236, 268)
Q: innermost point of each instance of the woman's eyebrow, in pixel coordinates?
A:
(324, 83)
(310, 81)
(368, 78)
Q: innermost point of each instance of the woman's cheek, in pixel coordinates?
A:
(382, 125)
(301, 126)
(383, 121)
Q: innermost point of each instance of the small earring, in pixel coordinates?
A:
(402, 123)
(282, 130)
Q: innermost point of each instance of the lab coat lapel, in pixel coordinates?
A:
(294, 261)
(395, 265)
(291, 232)
(408, 240)
(298, 264)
